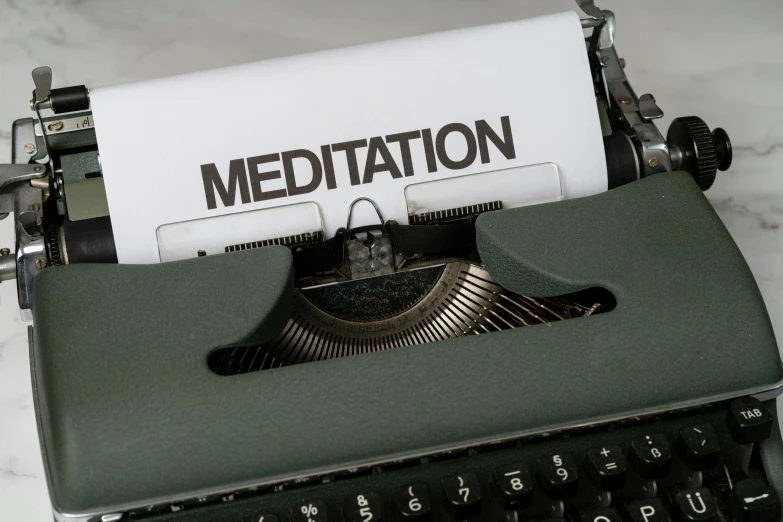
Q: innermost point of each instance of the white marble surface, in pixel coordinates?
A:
(718, 59)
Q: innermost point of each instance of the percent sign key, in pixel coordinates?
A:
(314, 511)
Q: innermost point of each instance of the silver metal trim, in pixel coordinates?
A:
(22, 134)
(63, 246)
(42, 78)
(74, 122)
(7, 267)
(17, 173)
(637, 115)
(354, 202)
(30, 243)
(606, 40)
(589, 8)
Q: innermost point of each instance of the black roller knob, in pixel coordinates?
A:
(702, 152)
(69, 99)
(722, 148)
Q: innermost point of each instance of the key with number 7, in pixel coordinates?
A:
(462, 496)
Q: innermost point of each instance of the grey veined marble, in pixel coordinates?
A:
(717, 59)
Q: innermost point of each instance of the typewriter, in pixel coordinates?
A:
(602, 359)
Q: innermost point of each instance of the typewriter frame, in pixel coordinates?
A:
(33, 188)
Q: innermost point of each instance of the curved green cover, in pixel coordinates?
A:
(129, 411)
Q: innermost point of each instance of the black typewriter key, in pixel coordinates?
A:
(605, 467)
(559, 475)
(413, 501)
(695, 505)
(599, 515)
(749, 420)
(513, 484)
(363, 507)
(260, 518)
(462, 496)
(651, 455)
(699, 447)
(648, 510)
(753, 501)
(311, 511)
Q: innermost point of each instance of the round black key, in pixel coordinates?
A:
(695, 505)
(699, 447)
(753, 501)
(651, 455)
(514, 485)
(648, 510)
(605, 467)
(559, 475)
(462, 496)
(311, 511)
(413, 501)
(749, 420)
(363, 507)
(608, 514)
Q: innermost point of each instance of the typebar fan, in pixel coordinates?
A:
(401, 309)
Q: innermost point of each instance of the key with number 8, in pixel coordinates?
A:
(513, 484)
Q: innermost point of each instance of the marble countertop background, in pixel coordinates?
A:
(717, 59)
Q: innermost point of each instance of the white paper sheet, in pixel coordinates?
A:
(525, 81)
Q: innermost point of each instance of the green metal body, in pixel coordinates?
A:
(129, 410)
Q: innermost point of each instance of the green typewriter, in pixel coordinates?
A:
(601, 359)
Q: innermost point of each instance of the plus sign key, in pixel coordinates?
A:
(605, 467)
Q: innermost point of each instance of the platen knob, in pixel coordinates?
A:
(698, 151)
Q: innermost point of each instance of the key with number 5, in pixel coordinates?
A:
(363, 507)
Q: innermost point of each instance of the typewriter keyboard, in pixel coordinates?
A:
(698, 466)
